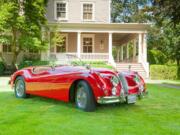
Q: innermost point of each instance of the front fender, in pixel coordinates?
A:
(23, 73)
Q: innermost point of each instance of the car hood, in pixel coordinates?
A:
(80, 69)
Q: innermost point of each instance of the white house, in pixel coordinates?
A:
(88, 33)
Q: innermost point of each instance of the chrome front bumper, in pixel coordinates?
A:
(121, 99)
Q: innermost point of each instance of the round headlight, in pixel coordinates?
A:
(114, 91)
(115, 81)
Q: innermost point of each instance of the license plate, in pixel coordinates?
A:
(131, 99)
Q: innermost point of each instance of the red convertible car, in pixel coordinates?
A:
(81, 84)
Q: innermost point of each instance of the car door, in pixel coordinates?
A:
(61, 83)
(40, 82)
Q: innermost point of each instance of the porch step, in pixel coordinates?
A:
(134, 67)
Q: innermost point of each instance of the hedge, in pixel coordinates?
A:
(2, 68)
(98, 64)
(163, 72)
(32, 63)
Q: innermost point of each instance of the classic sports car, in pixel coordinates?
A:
(83, 85)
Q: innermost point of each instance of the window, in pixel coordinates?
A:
(7, 48)
(61, 10)
(88, 11)
(87, 45)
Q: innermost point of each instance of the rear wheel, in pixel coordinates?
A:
(84, 98)
(20, 89)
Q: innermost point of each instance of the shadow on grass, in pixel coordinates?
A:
(43, 101)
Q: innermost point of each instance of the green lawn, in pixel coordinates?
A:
(158, 114)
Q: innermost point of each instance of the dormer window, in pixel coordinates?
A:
(60, 10)
(88, 11)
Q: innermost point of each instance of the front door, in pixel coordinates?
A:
(87, 43)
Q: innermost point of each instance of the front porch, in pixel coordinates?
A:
(112, 43)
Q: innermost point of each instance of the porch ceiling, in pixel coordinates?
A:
(122, 38)
(100, 27)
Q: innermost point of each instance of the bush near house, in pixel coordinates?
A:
(32, 63)
(163, 72)
(2, 68)
(97, 64)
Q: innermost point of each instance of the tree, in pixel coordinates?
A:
(129, 10)
(166, 14)
(20, 25)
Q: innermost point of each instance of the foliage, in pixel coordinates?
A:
(56, 38)
(95, 64)
(157, 114)
(20, 25)
(129, 11)
(156, 57)
(2, 68)
(166, 10)
(167, 18)
(163, 72)
(32, 63)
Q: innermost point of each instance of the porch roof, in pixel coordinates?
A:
(100, 27)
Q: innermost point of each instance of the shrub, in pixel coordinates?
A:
(98, 64)
(2, 68)
(32, 63)
(163, 72)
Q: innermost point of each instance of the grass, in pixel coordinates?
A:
(157, 114)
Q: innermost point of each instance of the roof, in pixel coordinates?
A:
(102, 27)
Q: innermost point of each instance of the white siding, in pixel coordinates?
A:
(75, 11)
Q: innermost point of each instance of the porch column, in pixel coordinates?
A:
(127, 51)
(110, 48)
(79, 44)
(121, 53)
(140, 48)
(145, 47)
(134, 49)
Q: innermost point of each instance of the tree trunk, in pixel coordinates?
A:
(14, 48)
(178, 68)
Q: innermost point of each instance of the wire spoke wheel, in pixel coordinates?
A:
(81, 97)
(84, 98)
(20, 88)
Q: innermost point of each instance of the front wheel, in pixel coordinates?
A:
(84, 97)
(20, 90)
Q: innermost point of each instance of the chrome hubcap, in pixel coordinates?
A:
(19, 88)
(81, 98)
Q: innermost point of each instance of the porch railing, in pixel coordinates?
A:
(83, 56)
(95, 56)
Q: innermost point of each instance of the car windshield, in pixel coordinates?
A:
(66, 59)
